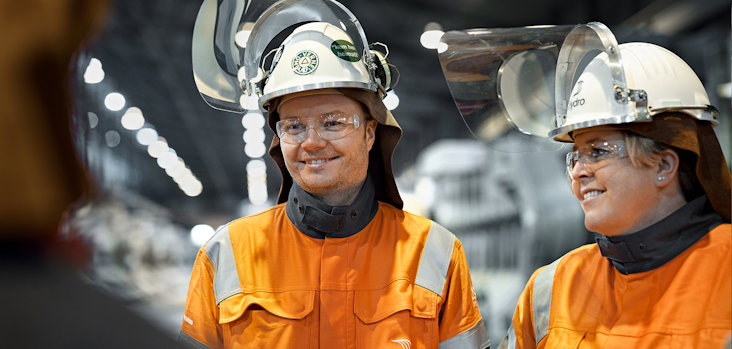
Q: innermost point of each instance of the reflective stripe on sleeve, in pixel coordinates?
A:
(542, 300)
(221, 254)
(189, 342)
(476, 337)
(509, 342)
(435, 259)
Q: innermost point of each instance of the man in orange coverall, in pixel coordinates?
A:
(337, 263)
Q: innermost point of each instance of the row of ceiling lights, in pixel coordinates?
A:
(254, 147)
(134, 120)
(157, 147)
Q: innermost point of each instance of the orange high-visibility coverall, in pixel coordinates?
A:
(582, 301)
(402, 282)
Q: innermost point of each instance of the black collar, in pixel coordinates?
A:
(652, 247)
(316, 219)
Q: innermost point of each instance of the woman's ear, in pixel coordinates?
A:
(667, 167)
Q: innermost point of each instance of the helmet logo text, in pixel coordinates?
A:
(576, 103)
(305, 62)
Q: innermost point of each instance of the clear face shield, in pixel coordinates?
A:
(234, 51)
(513, 83)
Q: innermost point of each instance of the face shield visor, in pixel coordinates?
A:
(513, 83)
(233, 52)
(582, 45)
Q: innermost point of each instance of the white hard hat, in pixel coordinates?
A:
(657, 81)
(315, 56)
(230, 74)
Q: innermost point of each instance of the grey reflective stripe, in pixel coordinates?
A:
(475, 337)
(542, 300)
(509, 342)
(226, 280)
(189, 342)
(435, 259)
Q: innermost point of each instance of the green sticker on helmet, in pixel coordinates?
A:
(345, 50)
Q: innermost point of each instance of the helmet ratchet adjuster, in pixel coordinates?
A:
(639, 97)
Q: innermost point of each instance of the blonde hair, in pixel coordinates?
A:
(645, 152)
(642, 151)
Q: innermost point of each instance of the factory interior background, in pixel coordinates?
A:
(169, 169)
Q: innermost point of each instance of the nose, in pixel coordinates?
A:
(580, 171)
(312, 140)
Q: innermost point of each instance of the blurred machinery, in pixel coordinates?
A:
(513, 212)
(139, 254)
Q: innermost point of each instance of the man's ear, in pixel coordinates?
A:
(371, 125)
(667, 167)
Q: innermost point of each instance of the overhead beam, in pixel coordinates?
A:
(669, 17)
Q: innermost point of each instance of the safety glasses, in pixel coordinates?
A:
(593, 153)
(329, 127)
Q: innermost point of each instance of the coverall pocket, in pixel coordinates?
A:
(267, 319)
(565, 338)
(400, 315)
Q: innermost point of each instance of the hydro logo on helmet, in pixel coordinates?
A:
(657, 81)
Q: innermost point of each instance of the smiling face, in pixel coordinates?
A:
(617, 197)
(331, 170)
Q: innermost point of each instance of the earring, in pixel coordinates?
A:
(660, 178)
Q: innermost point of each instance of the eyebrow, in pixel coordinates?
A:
(588, 142)
(337, 111)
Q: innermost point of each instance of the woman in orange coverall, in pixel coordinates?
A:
(650, 176)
